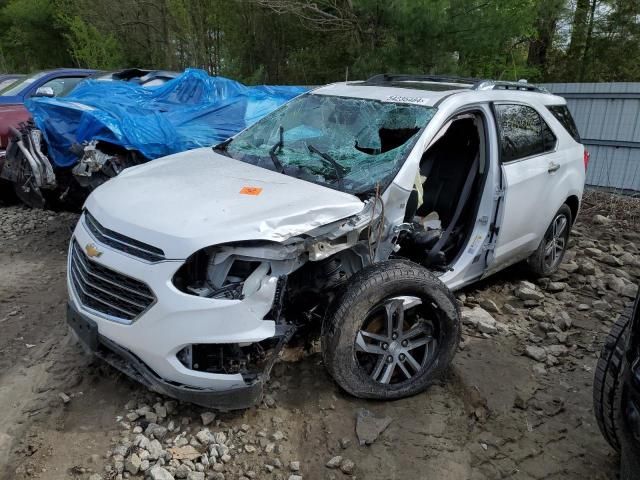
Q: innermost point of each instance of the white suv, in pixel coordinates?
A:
(359, 206)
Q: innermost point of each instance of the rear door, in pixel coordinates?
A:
(530, 191)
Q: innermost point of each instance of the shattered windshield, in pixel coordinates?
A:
(350, 144)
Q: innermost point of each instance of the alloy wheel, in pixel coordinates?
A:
(397, 340)
(556, 241)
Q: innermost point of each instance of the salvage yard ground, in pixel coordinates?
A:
(517, 403)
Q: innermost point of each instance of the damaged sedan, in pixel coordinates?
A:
(357, 208)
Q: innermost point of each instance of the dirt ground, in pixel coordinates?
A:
(498, 414)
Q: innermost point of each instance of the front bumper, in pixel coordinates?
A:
(86, 331)
(146, 348)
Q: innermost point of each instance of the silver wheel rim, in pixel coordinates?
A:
(556, 241)
(396, 342)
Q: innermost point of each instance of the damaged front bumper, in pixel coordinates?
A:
(86, 331)
(151, 346)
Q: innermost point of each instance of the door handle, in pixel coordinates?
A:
(553, 167)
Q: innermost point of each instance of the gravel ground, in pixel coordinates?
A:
(517, 403)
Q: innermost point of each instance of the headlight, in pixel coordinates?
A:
(235, 271)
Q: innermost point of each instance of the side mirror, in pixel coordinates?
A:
(45, 92)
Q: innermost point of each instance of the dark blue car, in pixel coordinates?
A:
(49, 83)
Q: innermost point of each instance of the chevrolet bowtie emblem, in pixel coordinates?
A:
(92, 250)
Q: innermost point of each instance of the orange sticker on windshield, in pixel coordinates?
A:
(251, 191)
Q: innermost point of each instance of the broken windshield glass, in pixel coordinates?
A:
(351, 144)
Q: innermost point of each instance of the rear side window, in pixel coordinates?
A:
(562, 113)
(523, 132)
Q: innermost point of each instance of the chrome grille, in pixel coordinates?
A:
(122, 242)
(106, 291)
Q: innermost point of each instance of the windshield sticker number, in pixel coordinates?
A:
(251, 191)
(398, 98)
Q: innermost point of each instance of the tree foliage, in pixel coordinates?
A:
(313, 42)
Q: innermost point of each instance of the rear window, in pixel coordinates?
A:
(562, 113)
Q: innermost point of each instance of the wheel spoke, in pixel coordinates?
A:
(404, 370)
(388, 372)
(418, 343)
(363, 346)
(374, 336)
(416, 366)
(395, 315)
(378, 368)
(413, 332)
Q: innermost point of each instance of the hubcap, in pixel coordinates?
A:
(396, 341)
(556, 240)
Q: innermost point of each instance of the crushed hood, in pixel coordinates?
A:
(195, 199)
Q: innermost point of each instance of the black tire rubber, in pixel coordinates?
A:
(607, 383)
(535, 262)
(348, 312)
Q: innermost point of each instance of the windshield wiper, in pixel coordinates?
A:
(222, 147)
(339, 169)
(278, 146)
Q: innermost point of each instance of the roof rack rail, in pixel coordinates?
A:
(474, 83)
(504, 85)
(389, 77)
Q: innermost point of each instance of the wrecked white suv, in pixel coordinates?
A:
(358, 206)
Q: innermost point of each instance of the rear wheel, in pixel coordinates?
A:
(393, 332)
(548, 257)
(607, 384)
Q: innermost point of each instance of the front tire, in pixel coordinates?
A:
(392, 333)
(548, 257)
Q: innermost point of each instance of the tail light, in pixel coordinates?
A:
(587, 156)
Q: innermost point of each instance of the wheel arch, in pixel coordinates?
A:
(573, 202)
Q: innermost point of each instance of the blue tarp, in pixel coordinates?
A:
(193, 110)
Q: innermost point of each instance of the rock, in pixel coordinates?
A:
(207, 418)
(64, 397)
(489, 305)
(334, 462)
(249, 448)
(479, 318)
(587, 268)
(295, 477)
(369, 427)
(159, 473)
(526, 293)
(593, 252)
(144, 465)
(155, 450)
(294, 466)
(95, 476)
(196, 476)
(347, 466)
(344, 443)
(563, 321)
(538, 314)
(554, 287)
(205, 437)
(539, 369)
(557, 350)
(630, 291)
(601, 220)
(611, 260)
(220, 438)
(537, 353)
(615, 283)
(278, 436)
(510, 309)
(583, 307)
(132, 464)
